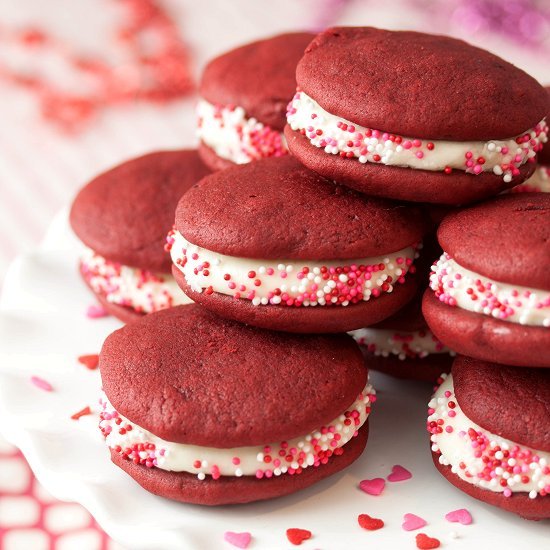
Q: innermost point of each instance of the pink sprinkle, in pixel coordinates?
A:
(398, 473)
(41, 383)
(95, 311)
(461, 516)
(240, 540)
(372, 486)
(412, 522)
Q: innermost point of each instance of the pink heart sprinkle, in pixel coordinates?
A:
(95, 311)
(461, 516)
(412, 522)
(41, 383)
(372, 486)
(240, 540)
(398, 473)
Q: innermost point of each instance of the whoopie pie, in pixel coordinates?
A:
(244, 95)
(414, 116)
(275, 245)
(122, 217)
(489, 294)
(205, 410)
(490, 434)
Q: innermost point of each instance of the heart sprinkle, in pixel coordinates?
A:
(297, 536)
(240, 540)
(369, 523)
(41, 383)
(372, 486)
(412, 522)
(89, 361)
(398, 473)
(424, 542)
(461, 516)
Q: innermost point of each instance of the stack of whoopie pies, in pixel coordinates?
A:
(391, 141)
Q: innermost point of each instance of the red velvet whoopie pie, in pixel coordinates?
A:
(275, 245)
(122, 217)
(205, 410)
(414, 116)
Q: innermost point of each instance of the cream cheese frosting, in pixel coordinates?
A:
(459, 287)
(337, 136)
(404, 344)
(289, 282)
(131, 287)
(235, 137)
(271, 459)
(480, 457)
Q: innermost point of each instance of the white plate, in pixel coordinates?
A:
(43, 329)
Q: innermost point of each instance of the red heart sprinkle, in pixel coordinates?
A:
(297, 536)
(369, 523)
(424, 542)
(89, 361)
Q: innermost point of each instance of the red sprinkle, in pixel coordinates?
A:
(84, 412)
(89, 361)
(369, 523)
(297, 536)
(426, 543)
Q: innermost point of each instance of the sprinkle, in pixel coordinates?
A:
(96, 311)
(411, 522)
(297, 536)
(85, 411)
(461, 516)
(89, 361)
(398, 473)
(240, 540)
(369, 523)
(424, 542)
(373, 486)
(41, 383)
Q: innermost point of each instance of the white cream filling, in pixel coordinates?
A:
(385, 342)
(268, 460)
(129, 286)
(339, 136)
(311, 283)
(523, 469)
(235, 137)
(458, 286)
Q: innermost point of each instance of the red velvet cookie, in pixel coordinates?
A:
(490, 434)
(244, 94)
(404, 115)
(122, 217)
(403, 346)
(489, 293)
(275, 245)
(212, 429)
